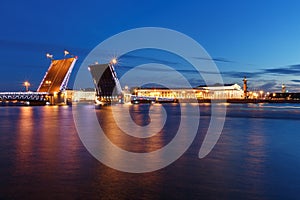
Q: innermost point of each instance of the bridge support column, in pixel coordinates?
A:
(58, 98)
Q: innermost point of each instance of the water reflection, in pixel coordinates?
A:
(25, 127)
(47, 149)
(42, 157)
(134, 144)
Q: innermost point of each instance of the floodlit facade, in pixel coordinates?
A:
(232, 91)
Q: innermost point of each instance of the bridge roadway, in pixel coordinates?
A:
(51, 89)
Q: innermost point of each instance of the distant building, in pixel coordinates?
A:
(80, 95)
(108, 89)
(228, 91)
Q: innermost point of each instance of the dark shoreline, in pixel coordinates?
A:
(246, 101)
(233, 101)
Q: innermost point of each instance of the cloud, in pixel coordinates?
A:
(217, 59)
(180, 70)
(236, 74)
(296, 66)
(270, 85)
(292, 87)
(287, 70)
(296, 81)
(148, 59)
(276, 71)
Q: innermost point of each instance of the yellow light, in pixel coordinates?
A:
(114, 61)
(48, 82)
(26, 83)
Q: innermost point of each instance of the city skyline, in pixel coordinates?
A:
(259, 40)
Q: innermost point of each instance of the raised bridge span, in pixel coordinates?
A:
(51, 87)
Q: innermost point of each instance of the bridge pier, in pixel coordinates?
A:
(58, 98)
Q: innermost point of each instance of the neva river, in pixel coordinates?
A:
(257, 156)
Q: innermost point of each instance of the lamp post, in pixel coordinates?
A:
(26, 84)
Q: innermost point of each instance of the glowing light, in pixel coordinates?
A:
(261, 93)
(48, 55)
(26, 84)
(114, 61)
(66, 52)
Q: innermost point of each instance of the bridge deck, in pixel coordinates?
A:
(57, 76)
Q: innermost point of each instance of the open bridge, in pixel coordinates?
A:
(51, 89)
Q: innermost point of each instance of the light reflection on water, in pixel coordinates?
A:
(257, 156)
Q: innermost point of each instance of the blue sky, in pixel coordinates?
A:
(256, 38)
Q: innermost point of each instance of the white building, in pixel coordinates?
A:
(232, 91)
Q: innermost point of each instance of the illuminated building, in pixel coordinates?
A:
(228, 91)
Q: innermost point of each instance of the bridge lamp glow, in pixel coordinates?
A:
(26, 84)
(50, 56)
(261, 93)
(66, 52)
(114, 61)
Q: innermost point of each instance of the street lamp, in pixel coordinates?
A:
(48, 83)
(26, 84)
(50, 56)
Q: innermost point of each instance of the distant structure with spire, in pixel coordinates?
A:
(245, 87)
(283, 88)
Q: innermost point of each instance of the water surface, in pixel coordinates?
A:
(256, 157)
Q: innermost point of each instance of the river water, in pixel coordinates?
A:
(256, 157)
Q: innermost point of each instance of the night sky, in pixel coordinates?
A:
(259, 39)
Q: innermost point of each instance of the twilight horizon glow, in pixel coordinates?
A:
(256, 39)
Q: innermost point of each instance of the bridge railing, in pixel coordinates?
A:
(23, 96)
